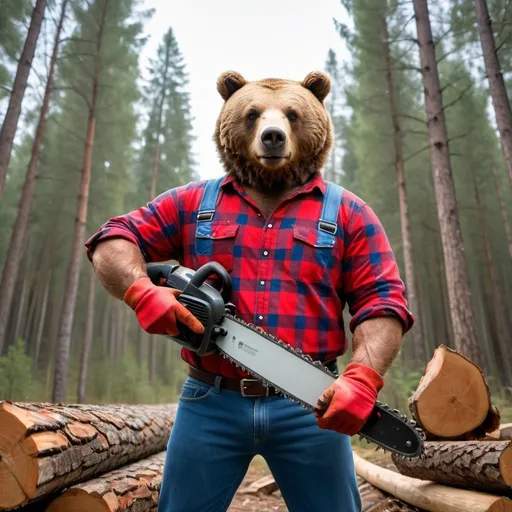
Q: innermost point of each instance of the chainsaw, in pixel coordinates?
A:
(206, 294)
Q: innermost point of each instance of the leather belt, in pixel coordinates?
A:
(250, 388)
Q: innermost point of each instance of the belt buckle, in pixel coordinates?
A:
(242, 388)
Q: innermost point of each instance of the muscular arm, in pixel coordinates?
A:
(376, 342)
(118, 264)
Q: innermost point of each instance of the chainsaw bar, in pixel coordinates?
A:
(382, 423)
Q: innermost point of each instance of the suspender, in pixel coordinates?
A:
(206, 210)
(327, 224)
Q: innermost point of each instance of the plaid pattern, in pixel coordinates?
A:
(283, 281)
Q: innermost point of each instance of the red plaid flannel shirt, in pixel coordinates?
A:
(278, 283)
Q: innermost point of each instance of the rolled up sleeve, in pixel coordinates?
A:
(372, 284)
(154, 228)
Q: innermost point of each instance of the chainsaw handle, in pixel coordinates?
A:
(214, 268)
(158, 271)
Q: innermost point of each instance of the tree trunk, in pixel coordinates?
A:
(496, 83)
(44, 448)
(133, 488)
(88, 337)
(8, 131)
(452, 400)
(42, 319)
(459, 293)
(410, 276)
(12, 261)
(73, 272)
(427, 495)
(479, 465)
(20, 316)
(498, 299)
(503, 208)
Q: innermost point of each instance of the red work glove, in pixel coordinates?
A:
(348, 402)
(157, 309)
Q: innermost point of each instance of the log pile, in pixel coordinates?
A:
(80, 458)
(467, 459)
(45, 448)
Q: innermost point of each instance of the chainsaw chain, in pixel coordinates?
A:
(320, 366)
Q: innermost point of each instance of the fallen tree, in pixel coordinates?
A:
(452, 400)
(482, 465)
(46, 447)
(133, 488)
(428, 495)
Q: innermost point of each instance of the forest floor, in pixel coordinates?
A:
(274, 502)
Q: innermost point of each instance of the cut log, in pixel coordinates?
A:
(480, 465)
(452, 400)
(429, 495)
(46, 447)
(135, 487)
(265, 485)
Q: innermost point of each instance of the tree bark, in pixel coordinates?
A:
(503, 208)
(427, 495)
(133, 488)
(44, 447)
(405, 224)
(88, 337)
(12, 261)
(459, 293)
(73, 272)
(498, 298)
(452, 400)
(499, 95)
(10, 124)
(479, 465)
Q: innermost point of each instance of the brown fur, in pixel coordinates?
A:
(309, 137)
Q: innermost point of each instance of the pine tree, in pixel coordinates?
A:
(12, 115)
(333, 168)
(461, 307)
(12, 263)
(100, 83)
(167, 140)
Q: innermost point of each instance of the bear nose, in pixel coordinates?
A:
(273, 137)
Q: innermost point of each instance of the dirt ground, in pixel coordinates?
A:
(250, 503)
(244, 502)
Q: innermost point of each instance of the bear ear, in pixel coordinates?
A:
(318, 83)
(229, 82)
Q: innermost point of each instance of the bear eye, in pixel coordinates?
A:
(292, 116)
(252, 116)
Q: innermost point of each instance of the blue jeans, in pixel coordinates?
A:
(217, 433)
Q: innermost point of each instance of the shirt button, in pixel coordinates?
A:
(270, 226)
(262, 283)
(265, 253)
(260, 318)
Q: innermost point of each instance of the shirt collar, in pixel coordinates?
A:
(316, 182)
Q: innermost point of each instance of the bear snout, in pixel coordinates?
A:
(273, 137)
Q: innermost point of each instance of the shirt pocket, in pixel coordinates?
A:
(311, 258)
(215, 242)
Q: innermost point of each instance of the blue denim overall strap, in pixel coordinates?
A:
(205, 216)
(328, 222)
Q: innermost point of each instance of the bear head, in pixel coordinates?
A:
(273, 134)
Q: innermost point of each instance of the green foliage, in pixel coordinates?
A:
(16, 374)
(169, 123)
(14, 16)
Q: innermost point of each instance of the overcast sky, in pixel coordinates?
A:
(258, 38)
